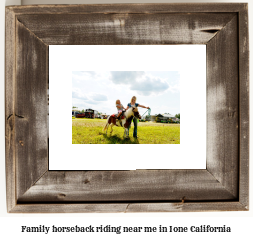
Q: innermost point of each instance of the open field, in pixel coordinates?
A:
(89, 131)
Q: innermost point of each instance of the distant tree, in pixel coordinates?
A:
(82, 111)
(74, 107)
(177, 115)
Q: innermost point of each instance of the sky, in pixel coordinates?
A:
(159, 90)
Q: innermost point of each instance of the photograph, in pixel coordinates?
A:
(125, 107)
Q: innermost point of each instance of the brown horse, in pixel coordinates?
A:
(125, 122)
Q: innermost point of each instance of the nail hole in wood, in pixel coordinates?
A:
(61, 195)
(86, 181)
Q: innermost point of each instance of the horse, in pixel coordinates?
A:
(125, 121)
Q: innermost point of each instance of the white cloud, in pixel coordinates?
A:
(92, 102)
(140, 82)
(125, 77)
(153, 89)
(76, 93)
(174, 88)
(83, 101)
(150, 85)
(98, 97)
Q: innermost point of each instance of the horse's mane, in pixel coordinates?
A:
(129, 112)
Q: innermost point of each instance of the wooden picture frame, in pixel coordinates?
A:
(222, 186)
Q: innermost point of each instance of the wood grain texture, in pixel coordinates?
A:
(222, 107)
(244, 106)
(186, 207)
(129, 207)
(30, 108)
(223, 186)
(129, 8)
(121, 29)
(140, 185)
(9, 109)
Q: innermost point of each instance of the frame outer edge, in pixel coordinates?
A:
(31, 149)
(146, 8)
(223, 107)
(119, 186)
(10, 70)
(244, 106)
(128, 207)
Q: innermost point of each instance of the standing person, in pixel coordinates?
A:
(134, 104)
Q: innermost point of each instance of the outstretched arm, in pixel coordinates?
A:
(143, 106)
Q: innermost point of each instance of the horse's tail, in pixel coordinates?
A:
(107, 123)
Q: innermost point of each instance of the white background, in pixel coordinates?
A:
(190, 61)
(241, 222)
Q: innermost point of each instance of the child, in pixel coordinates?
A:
(119, 107)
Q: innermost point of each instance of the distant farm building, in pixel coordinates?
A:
(75, 111)
(166, 118)
(167, 115)
(88, 113)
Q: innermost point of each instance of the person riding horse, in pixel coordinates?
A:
(124, 122)
(120, 108)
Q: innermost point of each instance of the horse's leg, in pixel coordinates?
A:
(111, 129)
(106, 125)
(126, 133)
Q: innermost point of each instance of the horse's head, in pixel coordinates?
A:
(136, 113)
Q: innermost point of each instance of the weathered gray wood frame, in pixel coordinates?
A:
(223, 186)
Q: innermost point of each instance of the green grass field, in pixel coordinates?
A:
(89, 131)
